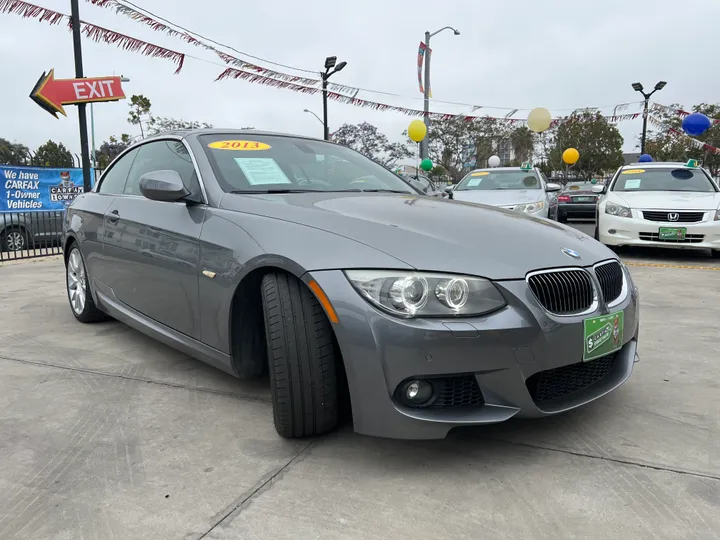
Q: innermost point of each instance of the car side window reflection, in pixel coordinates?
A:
(113, 182)
(169, 155)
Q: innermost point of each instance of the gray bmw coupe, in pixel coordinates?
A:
(263, 253)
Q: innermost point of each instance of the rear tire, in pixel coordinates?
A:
(14, 239)
(715, 253)
(562, 218)
(77, 284)
(301, 358)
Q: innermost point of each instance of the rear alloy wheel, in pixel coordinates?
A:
(14, 239)
(78, 289)
(301, 357)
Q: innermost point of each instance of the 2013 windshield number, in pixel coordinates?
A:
(241, 145)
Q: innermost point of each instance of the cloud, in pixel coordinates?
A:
(517, 54)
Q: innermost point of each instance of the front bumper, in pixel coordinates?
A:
(636, 231)
(501, 353)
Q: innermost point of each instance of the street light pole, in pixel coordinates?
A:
(329, 64)
(426, 88)
(82, 117)
(639, 88)
(315, 115)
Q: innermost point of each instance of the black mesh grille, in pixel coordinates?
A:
(564, 292)
(559, 382)
(453, 392)
(610, 276)
(457, 392)
(682, 217)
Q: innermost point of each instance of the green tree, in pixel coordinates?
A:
(599, 144)
(523, 142)
(14, 153)
(369, 141)
(663, 145)
(452, 142)
(139, 112)
(52, 154)
(110, 149)
(162, 124)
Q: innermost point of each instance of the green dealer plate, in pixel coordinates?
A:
(672, 233)
(603, 335)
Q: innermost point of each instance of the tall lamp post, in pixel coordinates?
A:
(639, 88)
(92, 126)
(315, 115)
(329, 65)
(426, 116)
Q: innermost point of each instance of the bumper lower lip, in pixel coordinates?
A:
(504, 354)
(635, 232)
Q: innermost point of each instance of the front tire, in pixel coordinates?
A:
(301, 357)
(14, 239)
(77, 283)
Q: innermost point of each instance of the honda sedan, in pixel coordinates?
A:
(273, 255)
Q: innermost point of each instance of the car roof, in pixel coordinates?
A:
(655, 165)
(192, 133)
(503, 169)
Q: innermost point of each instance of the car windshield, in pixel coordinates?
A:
(657, 179)
(250, 163)
(496, 180)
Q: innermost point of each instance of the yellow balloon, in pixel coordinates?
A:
(570, 156)
(417, 130)
(539, 120)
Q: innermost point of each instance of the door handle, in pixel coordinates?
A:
(113, 216)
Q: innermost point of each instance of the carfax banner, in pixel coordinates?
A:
(38, 189)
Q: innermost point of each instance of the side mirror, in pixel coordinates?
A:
(598, 188)
(165, 186)
(449, 190)
(551, 187)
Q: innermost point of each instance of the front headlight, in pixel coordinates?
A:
(617, 210)
(419, 294)
(717, 215)
(530, 208)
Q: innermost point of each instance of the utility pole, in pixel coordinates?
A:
(426, 88)
(81, 107)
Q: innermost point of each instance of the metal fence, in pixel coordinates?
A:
(26, 235)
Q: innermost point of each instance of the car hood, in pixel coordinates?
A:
(432, 234)
(669, 200)
(500, 197)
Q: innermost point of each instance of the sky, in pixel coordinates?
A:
(515, 54)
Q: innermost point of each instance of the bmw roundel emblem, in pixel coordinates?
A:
(571, 253)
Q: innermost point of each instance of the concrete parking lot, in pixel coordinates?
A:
(107, 434)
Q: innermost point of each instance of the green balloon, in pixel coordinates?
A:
(426, 165)
(593, 181)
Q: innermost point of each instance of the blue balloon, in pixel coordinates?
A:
(696, 124)
(645, 158)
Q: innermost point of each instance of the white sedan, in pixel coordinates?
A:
(662, 205)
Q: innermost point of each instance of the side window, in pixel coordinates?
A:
(114, 180)
(161, 156)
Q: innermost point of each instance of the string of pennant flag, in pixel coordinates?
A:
(254, 73)
(657, 107)
(678, 133)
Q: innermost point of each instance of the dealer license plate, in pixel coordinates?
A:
(584, 199)
(603, 335)
(672, 233)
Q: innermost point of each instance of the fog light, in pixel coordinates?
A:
(418, 392)
(612, 231)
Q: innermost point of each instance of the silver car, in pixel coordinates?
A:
(514, 188)
(271, 255)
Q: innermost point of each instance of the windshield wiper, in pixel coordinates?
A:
(282, 190)
(374, 190)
